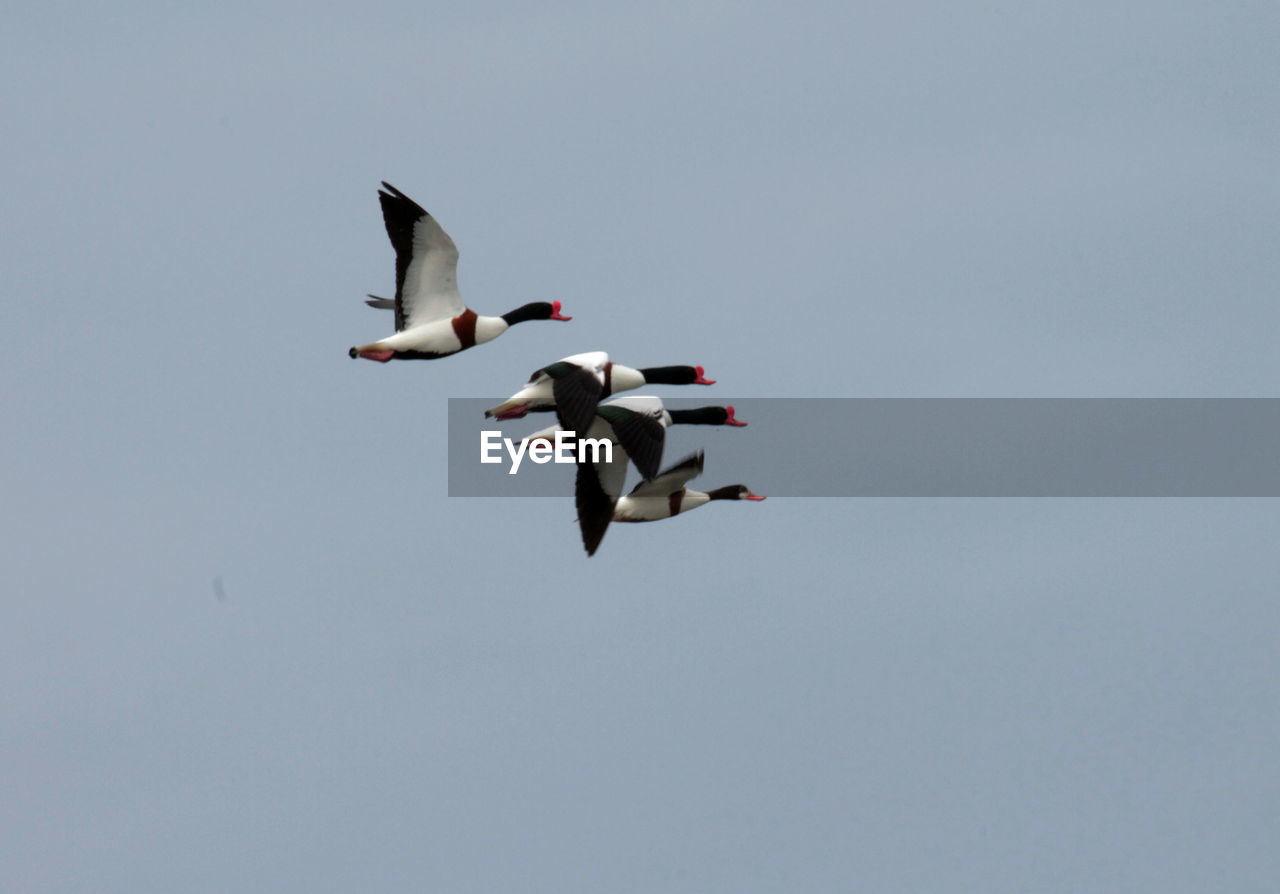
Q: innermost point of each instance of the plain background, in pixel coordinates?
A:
(248, 644)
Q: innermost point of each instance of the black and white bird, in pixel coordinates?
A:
(636, 427)
(573, 386)
(666, 495)
(431, 319)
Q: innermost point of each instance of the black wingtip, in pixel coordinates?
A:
(595, 508)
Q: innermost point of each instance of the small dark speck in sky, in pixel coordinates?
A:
(218, 591)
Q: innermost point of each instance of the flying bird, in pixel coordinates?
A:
(431, 319)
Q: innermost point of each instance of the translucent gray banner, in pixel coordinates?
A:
(929, 447)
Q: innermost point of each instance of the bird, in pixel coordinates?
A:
(574, 385)
(431, 319)
(666, 495)
(636, 426)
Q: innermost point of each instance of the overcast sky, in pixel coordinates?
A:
(247, 642)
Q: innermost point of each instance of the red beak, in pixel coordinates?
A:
(751, 496)
(555, 312)
(731, 420)
(700, 380)
(513, 413)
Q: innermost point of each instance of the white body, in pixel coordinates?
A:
(439, 336)
(654, 508)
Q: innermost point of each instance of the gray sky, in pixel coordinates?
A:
(406, 692)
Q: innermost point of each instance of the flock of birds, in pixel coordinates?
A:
(433, 322)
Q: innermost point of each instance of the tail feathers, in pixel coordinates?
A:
(381, 303)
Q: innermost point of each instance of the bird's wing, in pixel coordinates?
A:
(592, 360)
(426, 262)
(595, 493)
(576, 392)
(670, 479)
(641, 435)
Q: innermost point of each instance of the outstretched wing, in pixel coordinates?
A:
(671, 479)
(426, 262)
(641, 435)
(576, 392)
(595, 493)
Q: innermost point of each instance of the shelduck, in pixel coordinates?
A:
(666, 495)
(431, 319)
(573, 386)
